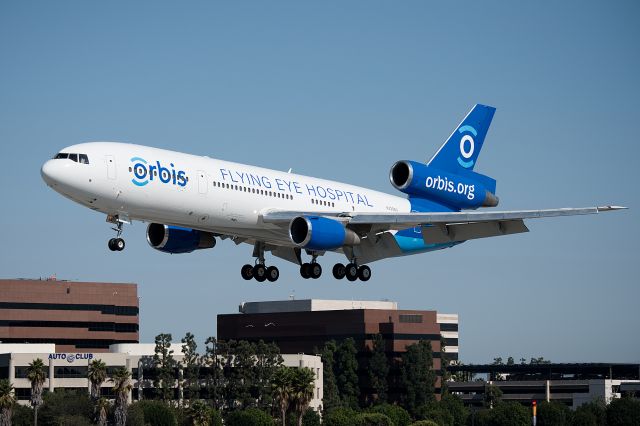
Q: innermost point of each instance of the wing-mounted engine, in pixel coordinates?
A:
(459, 191)
(320, 233)
(174, 239)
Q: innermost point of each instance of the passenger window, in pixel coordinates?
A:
(84, 159)
(73, 157)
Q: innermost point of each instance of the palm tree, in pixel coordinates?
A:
(121, 387)
(281, 385)
(97, 375)
(36, 375)
(102, 406)
(302, 387)
(7, 401)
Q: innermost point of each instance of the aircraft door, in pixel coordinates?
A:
(202, 182)
(111, 166)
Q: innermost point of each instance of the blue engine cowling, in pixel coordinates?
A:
(320, 233)
(468, 191)
(174, 239)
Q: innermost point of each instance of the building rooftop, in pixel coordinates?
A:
(309, 305)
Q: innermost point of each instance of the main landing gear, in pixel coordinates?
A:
(311, 269)
(351, 271)
(259, 271)
(116, 244)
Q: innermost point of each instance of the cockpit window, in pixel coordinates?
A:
(78, 158)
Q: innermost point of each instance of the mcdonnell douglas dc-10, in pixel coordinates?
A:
(189, 201)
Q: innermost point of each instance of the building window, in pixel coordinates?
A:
(411, 318)
(70, 372)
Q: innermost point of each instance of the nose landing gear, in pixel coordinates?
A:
(116, 244)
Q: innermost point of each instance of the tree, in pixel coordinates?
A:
(510, 361)
(346, 372)
(492, 395)
(36, 375)
(282, 390)
(200, 414)
(249, 417)
(331, 397)
(191, 367)
(505, 414)
(96, 374)
(238, 371)
(372, 419)
(121, 387)
(553, 414)
(165, 365)
(417, 375)
(397, 414)
(102, 408)
(302, 390)
(267, 361)
(379, 369)
(214, 379)
(66, 407)
(592, 413)
(454, 405)
(7, 400)
(623, 411)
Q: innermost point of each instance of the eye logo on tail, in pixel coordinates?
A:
(467, 146)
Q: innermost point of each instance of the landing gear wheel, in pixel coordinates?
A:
(315, 270)
(305, 270)
(339, 271)
(272, 273)
(364, 273)
(259, 273)
(247, 272)
(119, 244)
(351, 271)
(112, 244)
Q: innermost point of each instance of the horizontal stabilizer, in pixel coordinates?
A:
(443, 233)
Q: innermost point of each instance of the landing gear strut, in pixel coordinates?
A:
(259, 271)
(116, 244)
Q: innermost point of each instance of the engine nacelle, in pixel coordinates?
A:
(320, 233)
(470, 191)
(174, 239)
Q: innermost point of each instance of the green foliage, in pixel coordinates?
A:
(623, 411)
(398, 415)
(591, 413)
(436, 412)
(72, 420)
(311, 418)
(36, 375)
(238, 373)
(64, 403)
(346, 372)
(97, 374)
(158, 413)
(331, 396)
(191, 367)
(417, 375)
(216, 418)
(267, 361)
(454, 406)
(22, 415)
(249, 417)
(492, 396)
(302, 389)
(214, 378)
(6, 394)
(553, 414)
(135, 415)
(505, 414)
(424, 423)
(379, 369)
(165, 365)
(372, 419)
(339, 417)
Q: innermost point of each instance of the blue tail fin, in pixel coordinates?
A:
(460, 152)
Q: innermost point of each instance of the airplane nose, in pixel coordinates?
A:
(49, 172)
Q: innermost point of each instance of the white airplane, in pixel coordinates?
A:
(190, 200)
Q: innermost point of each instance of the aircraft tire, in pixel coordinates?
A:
(119, 244)
(247, 272)
(112, 244)
(364, 273)
(339, 271)
(315, 270)
(305, 271)
(351, 272)
(273, 273)
(260, 273)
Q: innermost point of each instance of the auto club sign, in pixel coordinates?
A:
(71, 357)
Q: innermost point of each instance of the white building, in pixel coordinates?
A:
(69, 370)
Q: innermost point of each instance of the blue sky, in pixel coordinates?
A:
(342, 90)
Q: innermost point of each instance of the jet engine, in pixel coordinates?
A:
(174, 239)
(320, 233)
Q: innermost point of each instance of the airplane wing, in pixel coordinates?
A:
(442, 227)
